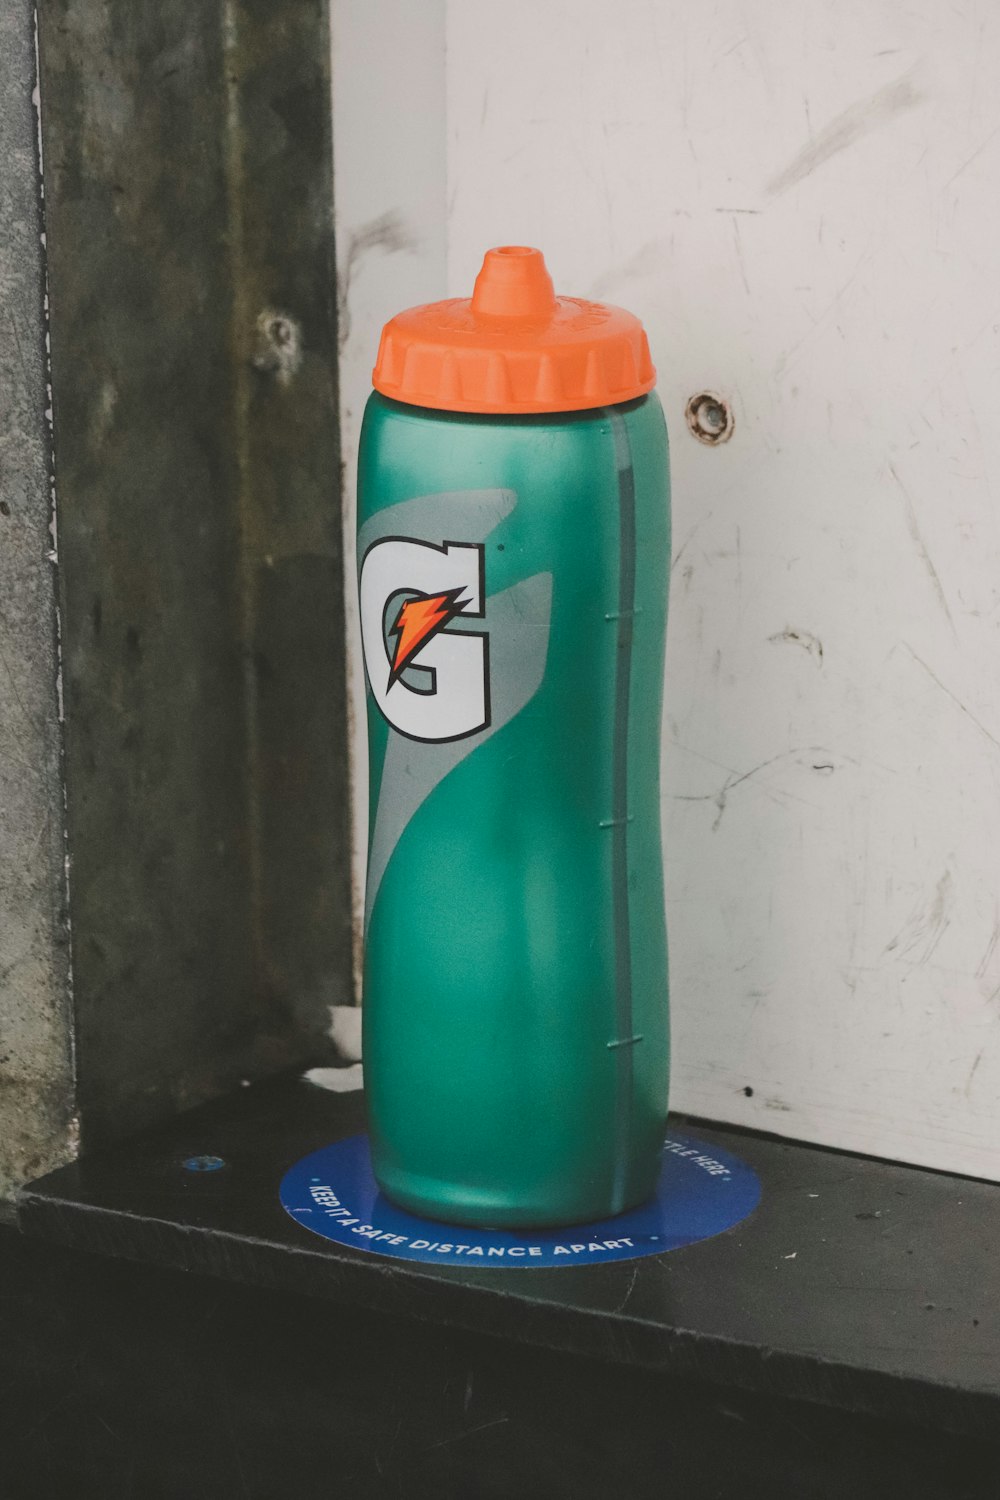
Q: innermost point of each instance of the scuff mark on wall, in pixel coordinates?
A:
(851, 125)
(926, 925)
(921, 547)
(720, 798)
(649, 259)
(809, 643)
(972, 1070)
(987, 958)
(956, 700)
(388, 233)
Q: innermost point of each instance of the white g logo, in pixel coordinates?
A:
(429, 682)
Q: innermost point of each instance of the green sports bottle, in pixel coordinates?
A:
(513, 556)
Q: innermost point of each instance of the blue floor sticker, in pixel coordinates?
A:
(702, 1191)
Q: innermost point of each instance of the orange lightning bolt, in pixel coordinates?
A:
(417, 621)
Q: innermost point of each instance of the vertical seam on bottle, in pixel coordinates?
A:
(624, 1067)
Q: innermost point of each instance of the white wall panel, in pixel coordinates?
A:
(389, 198)
(802, 204)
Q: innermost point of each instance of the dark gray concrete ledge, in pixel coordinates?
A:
(857, 1284)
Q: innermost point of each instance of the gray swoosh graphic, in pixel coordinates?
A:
(454, 515)
(517, 619)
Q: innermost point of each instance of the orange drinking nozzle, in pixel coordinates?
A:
(514, 283)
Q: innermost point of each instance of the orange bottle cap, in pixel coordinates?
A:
(513, 346)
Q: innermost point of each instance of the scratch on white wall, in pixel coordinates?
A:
(850, 126)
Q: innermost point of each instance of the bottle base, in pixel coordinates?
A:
(485, 1209)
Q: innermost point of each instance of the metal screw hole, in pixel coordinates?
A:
(709, 418)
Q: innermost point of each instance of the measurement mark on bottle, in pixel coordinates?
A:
(625, 1041)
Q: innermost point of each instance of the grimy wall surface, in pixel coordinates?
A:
(192, 310)
(188, 180)
(36, 1093)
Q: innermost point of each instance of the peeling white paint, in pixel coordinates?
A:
(336, 1080)
(345, 1029)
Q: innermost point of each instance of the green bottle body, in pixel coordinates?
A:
(516, 1036)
